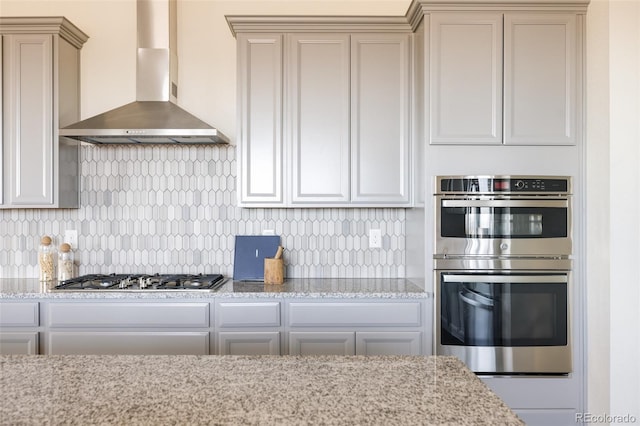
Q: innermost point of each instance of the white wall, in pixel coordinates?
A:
(624, 49)
(613, 237)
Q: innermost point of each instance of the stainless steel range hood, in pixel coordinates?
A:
(154, 118)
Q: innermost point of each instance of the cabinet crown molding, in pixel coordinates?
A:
(407, 23)
(316, 24)
(44, 25)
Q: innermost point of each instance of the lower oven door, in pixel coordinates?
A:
(505, 322)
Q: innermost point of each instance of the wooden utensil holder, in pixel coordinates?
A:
(273, 271)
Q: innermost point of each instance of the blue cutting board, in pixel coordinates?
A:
(250, 252)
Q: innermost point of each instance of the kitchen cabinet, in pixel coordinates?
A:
(505, 78)
(356, 328)
(248, 328)
(539, 400)
(330, 127)
(41, 92)
(322, 343)
(125, 327)
(19, 328)
(260, 145)
(355, 343)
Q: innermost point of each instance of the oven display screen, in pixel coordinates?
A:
(501, 185)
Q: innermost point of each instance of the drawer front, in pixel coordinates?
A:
(128, 343)
(261, 314)
(336, 314)
(19, 343)
(249, 343)
(165, 315)
(14, 314)
(322, 343)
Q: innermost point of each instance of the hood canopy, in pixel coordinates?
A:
(153, 118)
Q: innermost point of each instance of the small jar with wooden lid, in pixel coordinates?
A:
(47, 259)
(66, 263)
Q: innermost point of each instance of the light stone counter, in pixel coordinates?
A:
(385, 288)
(228, 390)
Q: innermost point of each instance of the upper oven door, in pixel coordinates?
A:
(516, 226)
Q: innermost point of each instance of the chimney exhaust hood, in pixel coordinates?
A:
(154, 118)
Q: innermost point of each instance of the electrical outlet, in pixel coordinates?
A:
(375, 238)
(71, 237)
(268, 232)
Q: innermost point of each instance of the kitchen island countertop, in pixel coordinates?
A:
(233, 390)
(356, 288)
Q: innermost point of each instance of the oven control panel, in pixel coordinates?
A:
(503, 184)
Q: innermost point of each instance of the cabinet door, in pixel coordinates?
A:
(260, 133)
(542, 417)
(380, 132)
(28, 119)
(127, 343)
(249, 343)
(14, 343)
(540, 77)
(466, 78)
(322, 343)
(318, 82)
(388, 343)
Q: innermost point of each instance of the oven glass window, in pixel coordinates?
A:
(478, 313)
(503, 222)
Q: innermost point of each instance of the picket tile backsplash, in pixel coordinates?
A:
(169, 209)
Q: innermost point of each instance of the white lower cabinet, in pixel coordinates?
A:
(356, 328)
(248, 328)
(389, 343)
(123, 327)
(355, 343)
(540, 401)
(322, 343)
(128, 343)
(249, 343)
(19, 325)
(557, 417)
(18, 343)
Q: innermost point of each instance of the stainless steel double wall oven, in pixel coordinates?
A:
(502, 264)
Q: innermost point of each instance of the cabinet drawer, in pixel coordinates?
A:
(355, 314)
(262, 314)
(166, 315)
(128, 343)
(14, 314)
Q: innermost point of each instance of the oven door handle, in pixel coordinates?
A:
(456, 278)
(563, 203)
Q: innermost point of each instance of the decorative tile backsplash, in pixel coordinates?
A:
(147, 209)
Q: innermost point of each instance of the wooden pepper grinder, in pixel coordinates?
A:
(274, 268)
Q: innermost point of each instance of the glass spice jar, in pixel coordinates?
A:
(47, 259)
(66, 265)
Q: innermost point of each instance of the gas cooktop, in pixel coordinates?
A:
(142, 282)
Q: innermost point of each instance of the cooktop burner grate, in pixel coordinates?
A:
(141, 282)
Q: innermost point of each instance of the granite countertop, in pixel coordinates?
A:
(282, 390)
(357, 288)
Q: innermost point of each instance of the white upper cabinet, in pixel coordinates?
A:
(324, 115)
(504, 78)
(380, 118)
(41, 92)
(260, 116)
(540, 79)
(466, 78)
(319, 87)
